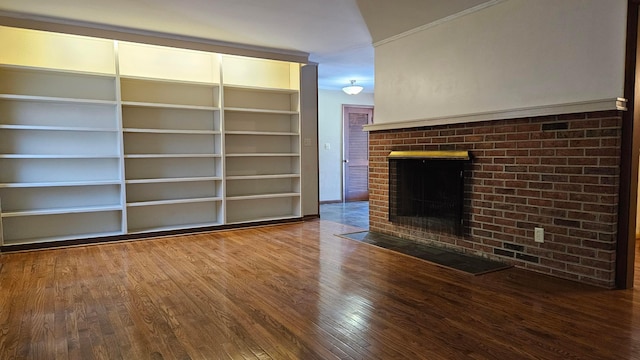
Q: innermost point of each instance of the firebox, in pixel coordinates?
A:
(426, 189)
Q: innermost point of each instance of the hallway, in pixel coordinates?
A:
(355, 213)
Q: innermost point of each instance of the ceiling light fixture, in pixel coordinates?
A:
(352, 89)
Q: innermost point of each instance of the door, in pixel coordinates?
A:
(356, 152)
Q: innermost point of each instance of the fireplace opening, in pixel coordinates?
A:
(426, 189)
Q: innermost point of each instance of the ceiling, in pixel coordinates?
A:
(337, 34)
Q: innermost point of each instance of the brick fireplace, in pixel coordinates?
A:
(560, 173)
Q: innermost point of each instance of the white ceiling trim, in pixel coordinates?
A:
(439, 22)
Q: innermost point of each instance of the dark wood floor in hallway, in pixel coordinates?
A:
(295, 291)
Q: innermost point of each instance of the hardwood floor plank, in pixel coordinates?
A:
(295, 291)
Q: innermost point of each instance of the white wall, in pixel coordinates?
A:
(330, 132)
(513, 55)
(309, 132)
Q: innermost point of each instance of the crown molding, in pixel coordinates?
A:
(545, 110)
(439, 22)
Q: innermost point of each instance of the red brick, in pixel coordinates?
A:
(587, 124)
(572, 116)
(554, 161)
(608, 152)
(495, 138)
(566, 258)
(568, 185)
(542, 169)
(528, 128)
(542, 152)
(604, 114)
(580, 269)
(555, 144)
(518, 136)
(473, 138)
(528, 160)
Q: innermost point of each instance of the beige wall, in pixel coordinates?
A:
(512, 55)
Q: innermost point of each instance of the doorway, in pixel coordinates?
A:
(630, 152)
(356, 152)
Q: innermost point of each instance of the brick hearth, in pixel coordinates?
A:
(556, 172)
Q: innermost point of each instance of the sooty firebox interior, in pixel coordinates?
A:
(426, 189)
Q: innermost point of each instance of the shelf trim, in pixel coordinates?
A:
(261, 133)
(260, 177)
(264, 111)
(59, 156)
(261, 88)
(169, 106)
(58, 211)
(170, 81)
(170, 131)
(172, 180)
(167, 156)
(56, 99)
(59, 184)
(173, 201)
(263, 196)
(264, 155)
(56, 128)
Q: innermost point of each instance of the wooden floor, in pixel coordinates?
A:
(295, 292)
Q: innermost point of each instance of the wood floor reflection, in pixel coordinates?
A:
(295, 291)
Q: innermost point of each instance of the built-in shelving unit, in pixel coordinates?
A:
(59, 143)
(262, 146)
(172, 139)
(101, 137)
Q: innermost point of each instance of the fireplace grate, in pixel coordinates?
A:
(427, 193)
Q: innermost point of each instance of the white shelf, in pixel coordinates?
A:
(168, 106)
(172, 167)
(55, 99)
(263, 196)
(39, 170)
(176, 201)
(159, 156)
(171, 94)
(170, 119)
(39, 156)
(59, 184)
(261, 133)
(174, 215)
(261, 177)
(264, 155)
(172, 180)
(263, 111)
(171, 131)
(57, 128)
(86, 209)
